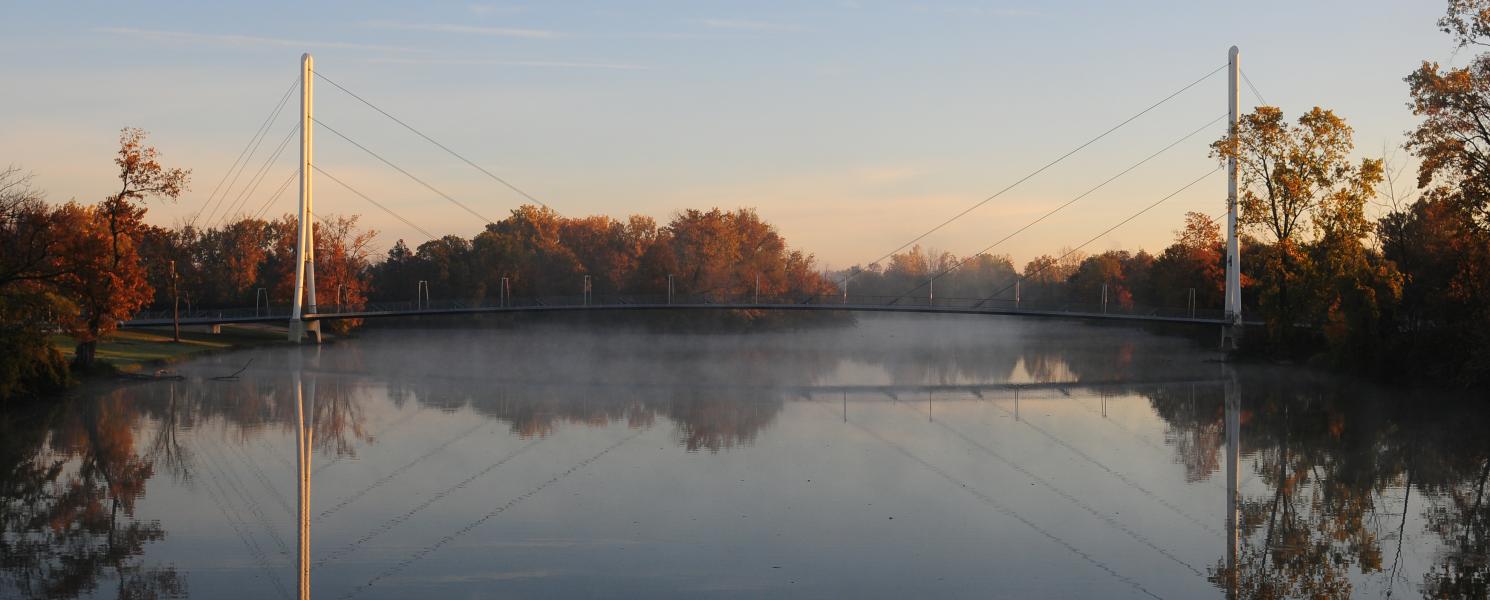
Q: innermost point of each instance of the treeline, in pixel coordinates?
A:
(710, 255)
(251, 262)
(79, 269)
(1195, 261)
(1405, 295)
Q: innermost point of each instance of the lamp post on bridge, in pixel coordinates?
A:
(421, 295)
(261, 292)
(175, 307)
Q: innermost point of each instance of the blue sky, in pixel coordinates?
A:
(852, 125)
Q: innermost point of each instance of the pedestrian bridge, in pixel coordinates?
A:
(304, 313)
(579, 304)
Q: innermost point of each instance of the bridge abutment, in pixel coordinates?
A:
(300, 330)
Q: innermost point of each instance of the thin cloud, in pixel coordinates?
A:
(981, 11)
(240, 40)
(557, 64)
(996, 12)
(747, 25)
(471, 29)
(492, 9)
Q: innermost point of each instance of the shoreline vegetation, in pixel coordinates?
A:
(141, 351)
(1349, 269)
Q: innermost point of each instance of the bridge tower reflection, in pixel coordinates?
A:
(1233, 468)
(305, 416)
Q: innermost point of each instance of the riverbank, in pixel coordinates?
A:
(144, 350)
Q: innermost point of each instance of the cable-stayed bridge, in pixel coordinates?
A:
(305, 313)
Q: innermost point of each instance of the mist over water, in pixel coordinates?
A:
(880, 456)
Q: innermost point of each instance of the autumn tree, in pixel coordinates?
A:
(30, 246)
(1299, 186)
(716, 254)
(1044, 277)
(227, 261)
(105, 278)
(1196, 260)
(1442, 241)
(528, 248)
(980, 276)
(343, 268)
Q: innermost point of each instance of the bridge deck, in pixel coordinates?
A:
(224, 319)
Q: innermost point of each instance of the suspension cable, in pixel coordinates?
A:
(1254, 88)
(374, 202)
(1002, 508)
(405, 172)
(1059, 208)
(1038, 171)
(258, 177)
(1099, 236)
(281, 190)
(421, 553)
(253, 142)
(431, 140)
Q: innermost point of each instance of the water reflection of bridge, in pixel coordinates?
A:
(1441, 458)
(305, 398)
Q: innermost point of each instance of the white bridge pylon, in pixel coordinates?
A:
(1233, 327)
(305, 244)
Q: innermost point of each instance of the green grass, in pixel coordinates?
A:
(134, 349)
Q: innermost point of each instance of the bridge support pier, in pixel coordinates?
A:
(301, 329)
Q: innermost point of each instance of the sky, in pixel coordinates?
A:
(852, 125)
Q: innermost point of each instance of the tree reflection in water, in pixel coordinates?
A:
(1338, 461)
(1335, 463)
(71, 477)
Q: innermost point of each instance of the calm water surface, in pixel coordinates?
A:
(889, 457)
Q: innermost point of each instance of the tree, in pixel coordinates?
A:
(342, 267)
(1196, 260)
(1104, 269)
(1288, 172)
(30, 245)
(1294, 176)
(105, 278)
(529, 246)
(1441, 242)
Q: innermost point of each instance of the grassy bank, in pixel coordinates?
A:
(134, 350)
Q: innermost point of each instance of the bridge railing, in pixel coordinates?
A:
(213, 313)
(748, 300)
(744, 301)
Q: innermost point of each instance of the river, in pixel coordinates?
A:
(878, 457)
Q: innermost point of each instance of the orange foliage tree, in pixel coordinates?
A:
(105, 278)
(712, 254)
(341, 254)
